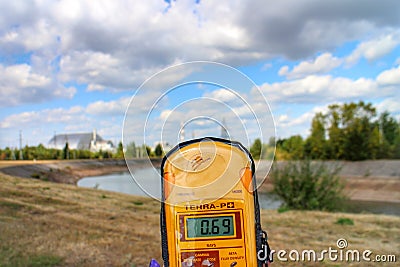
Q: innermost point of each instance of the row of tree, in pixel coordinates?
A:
(351, 131)
(133, 151)
(40, 152)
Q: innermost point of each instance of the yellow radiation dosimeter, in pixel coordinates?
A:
(210, 213)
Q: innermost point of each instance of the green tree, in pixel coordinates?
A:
(3, 155)
(66, 151)
(352, 133)
(396, 145)
(7, 154)
(256, 148)
(158, 151)
(316, 142)
(40, 152)
(389, 131)
(120, 150)
(374, 144)
(131, 151)
(148, 151)
(335, 142)
(84, 154)
(105, 154)
(25, 152)
(358, 127)
(389, 127)
(294, 146)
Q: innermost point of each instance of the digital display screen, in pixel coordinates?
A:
(210, 226)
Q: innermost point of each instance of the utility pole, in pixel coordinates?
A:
(13, 154)
(21, 156)
(55, 139)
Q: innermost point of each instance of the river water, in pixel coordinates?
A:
(149, 181)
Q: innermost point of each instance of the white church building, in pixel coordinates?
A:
(82, 141)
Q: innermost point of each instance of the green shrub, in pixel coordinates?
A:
(283, 209)
(345, 221)
(307, 185)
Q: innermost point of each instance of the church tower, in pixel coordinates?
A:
(182, 133)
(224, 131)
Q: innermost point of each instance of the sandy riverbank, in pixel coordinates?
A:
(69, 171)
(366, 180)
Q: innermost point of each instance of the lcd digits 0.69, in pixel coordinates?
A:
(216, 226)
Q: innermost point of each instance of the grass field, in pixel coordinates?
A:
(49, 224)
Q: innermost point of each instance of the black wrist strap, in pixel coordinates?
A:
(266, 248)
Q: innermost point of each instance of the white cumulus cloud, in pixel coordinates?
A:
(114, 107)
(19, 84)
(389, 77)
(320, 89)
(375, 48)
(322, 64)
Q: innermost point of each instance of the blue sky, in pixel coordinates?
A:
(73, 66)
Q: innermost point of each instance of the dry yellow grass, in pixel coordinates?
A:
(43, 223)
(319, 231)
(83, 227)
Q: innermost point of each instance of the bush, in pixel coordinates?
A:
(345, 221)
(305, 185)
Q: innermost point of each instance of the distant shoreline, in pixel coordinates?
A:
(69, 171)
(362, 179)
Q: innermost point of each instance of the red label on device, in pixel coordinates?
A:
(200, 259)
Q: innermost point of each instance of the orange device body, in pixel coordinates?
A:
(210, 213)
